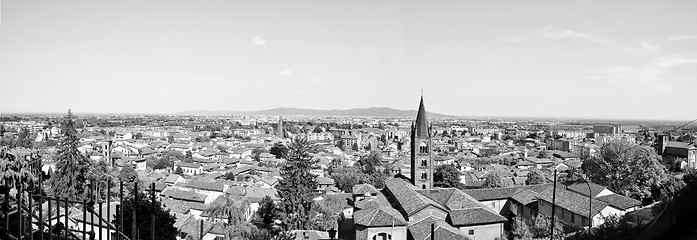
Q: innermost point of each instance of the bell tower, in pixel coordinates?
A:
(421, 150)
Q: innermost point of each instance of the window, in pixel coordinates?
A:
(471, 232)
(423, 186)
(423, 162)
(382, 236)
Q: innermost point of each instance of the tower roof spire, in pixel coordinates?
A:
(421, 120)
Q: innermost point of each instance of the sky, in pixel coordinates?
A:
(624, 59)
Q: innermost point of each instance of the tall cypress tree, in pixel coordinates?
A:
(297, 188)
(70, 178)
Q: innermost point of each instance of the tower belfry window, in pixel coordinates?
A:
(424, 162)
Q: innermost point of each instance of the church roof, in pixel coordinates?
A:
(441, 230)
(379, 216)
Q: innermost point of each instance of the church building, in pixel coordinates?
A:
(415, 209)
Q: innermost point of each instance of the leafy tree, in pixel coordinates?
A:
(268, 211)
(541, 225)
(688, 138)
(629, 169)
(354, 147)
(520, 230)
(129, 176)
(164, 221)
(346, 177)
(544, 154)
(494, 180)
(221, 148)
(297, 188)
(377, 179)
(535, 177)
(340, 144)
(447, 176)
(179, 170)
(226, 205)
(70, 178)
(326, 212)
(279, 150)
(14, 172)
(256, 152)
(668, 189)
(371, 162)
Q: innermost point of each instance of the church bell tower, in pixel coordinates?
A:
(421, 150)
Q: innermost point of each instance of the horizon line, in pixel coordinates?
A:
(470, 117)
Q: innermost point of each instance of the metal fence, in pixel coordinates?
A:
(26, 219)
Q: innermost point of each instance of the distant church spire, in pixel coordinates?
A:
(422, 121)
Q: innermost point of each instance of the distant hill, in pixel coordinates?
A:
(356, 112)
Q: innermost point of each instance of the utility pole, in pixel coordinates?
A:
(554, 198)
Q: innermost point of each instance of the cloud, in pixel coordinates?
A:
(651, 74)
(317, 81)
(259, 42)
(682, 38)
(642, 48)
(286, 73)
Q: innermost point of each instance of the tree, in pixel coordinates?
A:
(377, 179)
(520, 230)
(340, 144)
(354, 147)
(494, 180)
(179, 170)
(688, 138)
(256, 152)
(14, 172)
(221, 148)
(629, 169)
(347, 177)
(297, 187)
(326, 212)
(447, 176)
(544, 154)
(371, 162)
(535, 177)
(268, 211)
(164, 221)
(129, 176)
(70, 178)
(668, 189)
(541, 225)
(227, 205)
(279, 150)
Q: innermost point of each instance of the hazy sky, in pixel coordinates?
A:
(595, 59)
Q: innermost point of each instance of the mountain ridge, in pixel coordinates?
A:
(356, 112)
